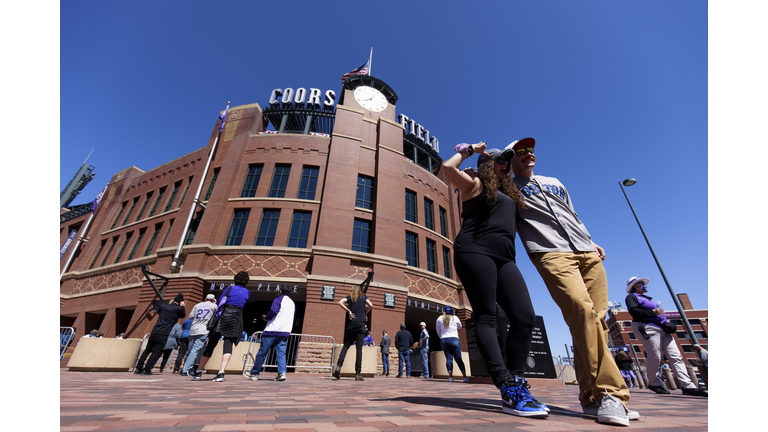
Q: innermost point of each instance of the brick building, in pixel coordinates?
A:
(310, 193)
(619, 323)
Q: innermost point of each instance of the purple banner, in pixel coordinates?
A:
(67, 243)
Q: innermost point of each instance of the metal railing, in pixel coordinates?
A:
(66, 335)
(304, 353)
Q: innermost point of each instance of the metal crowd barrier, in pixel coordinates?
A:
(66, 335)
(304, 353)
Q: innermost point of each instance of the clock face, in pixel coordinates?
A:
(371, 99)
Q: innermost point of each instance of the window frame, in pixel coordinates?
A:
(271, 229)
(237, 227)
(308, 181)
(362, 190)
(279, 181)
(410, 203)
(358, 227)
(305, 223)
(412, 245)
(253, 175)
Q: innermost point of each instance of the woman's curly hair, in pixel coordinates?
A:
(242, 279)
(491, 184)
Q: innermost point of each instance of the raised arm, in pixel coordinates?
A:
(467, 185)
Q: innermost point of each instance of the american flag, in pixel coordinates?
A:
(362, 70)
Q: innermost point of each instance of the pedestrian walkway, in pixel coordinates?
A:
(121, 401)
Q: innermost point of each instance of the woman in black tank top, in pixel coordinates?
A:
(484, 258)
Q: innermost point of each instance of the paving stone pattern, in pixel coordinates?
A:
(121, 401)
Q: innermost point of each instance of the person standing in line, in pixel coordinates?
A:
(198, 331)
(384, 345)
(403, 342)
(424, 346)
(183, 344)
(230, 325)
(570, 264)
(649, 321)
(357, 306)
(167, 315)
(625, 367)
(368, 341)
(484, 258)
(703, 364)
(447, 327)
(276, 333)
(173, 341)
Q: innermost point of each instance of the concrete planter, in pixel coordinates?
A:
(104, 355)
(370, 360)
(438, 369)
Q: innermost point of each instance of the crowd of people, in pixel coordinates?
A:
(500, 199)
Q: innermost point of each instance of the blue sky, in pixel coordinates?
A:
(608, 89)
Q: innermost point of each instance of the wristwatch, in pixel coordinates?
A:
(470, 150)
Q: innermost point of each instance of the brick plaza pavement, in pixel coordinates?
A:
(121, 401)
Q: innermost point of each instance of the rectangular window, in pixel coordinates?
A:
(122, 248)
(133, 205)
(700, 335)
(446, 262)
(236, 230)
(687, 348)
(251, 181)
(361, 236)
(157, 202)
(136, 245)
(364, 192)
(431, 256)
(176, 187)
(268, 227)
(429, 219)
(308, 183)
(410, 206)
(109, 251)
(443, 223)
(119, 214)
(299, 229)
(185, 190)
(144, 206)
(170, 225)
(412, 249)
(279, 181)
(193, 227)
(151, 243)
(103, 242)
(632, 336)
(694, 321)
(212, 184)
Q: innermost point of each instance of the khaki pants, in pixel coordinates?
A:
(578, 285)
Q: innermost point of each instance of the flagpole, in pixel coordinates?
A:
(81, 238)
(176, 263)
(370, 63)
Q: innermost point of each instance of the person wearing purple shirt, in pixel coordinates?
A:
(276, 333)
(649, 321)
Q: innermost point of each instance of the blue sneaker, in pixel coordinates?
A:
(517, 400)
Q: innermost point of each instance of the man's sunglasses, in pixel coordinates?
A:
(521, 151)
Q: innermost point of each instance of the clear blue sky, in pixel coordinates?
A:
(608, 89)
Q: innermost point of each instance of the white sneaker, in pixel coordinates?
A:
(612, 411)
(280, 377)
(592, 411)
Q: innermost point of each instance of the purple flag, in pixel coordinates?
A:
(64, 248)
(98, 199)
(223, 118)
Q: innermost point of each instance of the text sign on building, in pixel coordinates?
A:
(302, 97)
(410, 127)
(389, 300)
(268, 287)
(328, 293)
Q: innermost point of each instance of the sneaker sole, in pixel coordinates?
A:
(615, 420)
(631, 415)
(515, 412)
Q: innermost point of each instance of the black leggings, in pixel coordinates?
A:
(213, 340)
(488, 281)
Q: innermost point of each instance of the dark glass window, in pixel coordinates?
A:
(364, 192)
(632, 336)
(251, 181)
(103, 242)
(236, 230)
(682, 335)
(308, 183)
(119, 214)
(694, 321)
(700, 335)
(443, 223)
(279, 181)
(299, 229)
(128, 216)
(109, 251)
(193, 227)
(157, 202)
(446, 262)
(266, 236)
(687, 348)
(431, 256)
(152, 239)
(122, 248)
(144, 206)
(410, 206)
(361, 236)
(429, 218)
(136, 245)
(185, 190)
(176, 187)
(412, 249)
(170, 225)
(212, 184)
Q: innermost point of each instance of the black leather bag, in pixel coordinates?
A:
(669, 328)
(214, 321)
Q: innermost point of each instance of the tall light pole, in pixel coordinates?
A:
(630, 182)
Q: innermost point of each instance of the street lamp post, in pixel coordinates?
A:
(630, 182)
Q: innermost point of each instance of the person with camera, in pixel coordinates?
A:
(649, 321)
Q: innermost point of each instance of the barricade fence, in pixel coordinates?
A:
(66, 336)
(304, 353)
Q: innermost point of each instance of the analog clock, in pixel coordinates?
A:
(371, 99)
